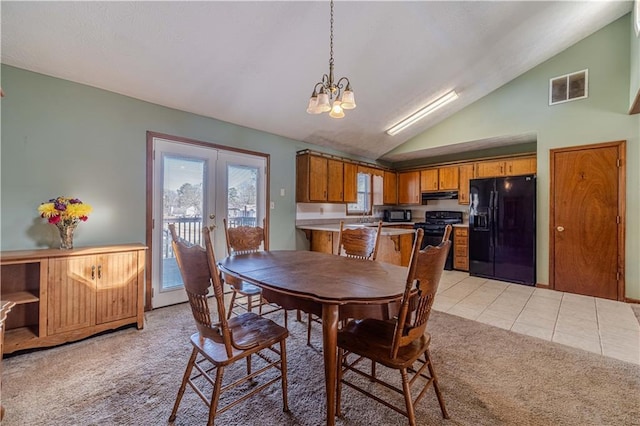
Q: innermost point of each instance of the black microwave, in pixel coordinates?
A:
(397, 216)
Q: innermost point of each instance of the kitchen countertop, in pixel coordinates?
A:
(387, 229)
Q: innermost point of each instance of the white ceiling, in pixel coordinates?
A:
(255, 63)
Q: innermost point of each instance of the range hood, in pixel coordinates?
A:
(441, 195)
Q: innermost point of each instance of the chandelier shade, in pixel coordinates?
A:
(328, 95)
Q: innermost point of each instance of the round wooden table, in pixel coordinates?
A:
(326, 285)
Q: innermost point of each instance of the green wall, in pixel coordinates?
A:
(634, 85)
(63, 138)
(521, 107)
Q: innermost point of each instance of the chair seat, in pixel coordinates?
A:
(372, 338)
(246, 289)
(247, 329)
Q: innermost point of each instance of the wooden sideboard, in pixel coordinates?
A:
(66, 295)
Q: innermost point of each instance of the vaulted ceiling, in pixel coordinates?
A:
(255, 63)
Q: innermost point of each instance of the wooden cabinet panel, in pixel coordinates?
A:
(335, 180)
(466, 174)
(318, 176)
(350, 183)
(72, 294)
(390, 186)
(429, 180)
(521, 166)
(117, 287)
(321, 241)
(461, 248)
(490, 169)
(448, 178)
(509, 167)
(409, 187)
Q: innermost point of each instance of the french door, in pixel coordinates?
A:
(196, 186)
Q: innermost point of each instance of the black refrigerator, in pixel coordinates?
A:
(502, 228)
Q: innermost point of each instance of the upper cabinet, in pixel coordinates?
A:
(521, 166)
(429, 180)
(335, 181)
(439, 179)
(350, 194)
(390, 188)
(409, 187)
(508, 167)
(466, 173)
(324, 179)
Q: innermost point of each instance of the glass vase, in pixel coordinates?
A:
(66, 236)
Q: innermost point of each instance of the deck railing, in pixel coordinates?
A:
(190, 228)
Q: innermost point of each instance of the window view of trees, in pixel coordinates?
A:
(242, 195)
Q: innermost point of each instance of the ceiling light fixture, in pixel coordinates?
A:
(421, 113)
(326, 90)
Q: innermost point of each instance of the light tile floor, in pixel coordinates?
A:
(603, 326)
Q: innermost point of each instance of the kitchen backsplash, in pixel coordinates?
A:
(307, 211)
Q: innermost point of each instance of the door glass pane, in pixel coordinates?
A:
(242, 182)
(182, 205)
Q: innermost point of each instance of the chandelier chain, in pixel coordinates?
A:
(331, 37)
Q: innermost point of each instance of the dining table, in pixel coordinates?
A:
(330, 286)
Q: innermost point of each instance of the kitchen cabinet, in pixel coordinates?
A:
(394, 249)
(409, 187)
(461, 248)
(335, 181)
(448, 178)
(466, 173)
(350, 183)
(490, 169)
(390, 188)
(439, 179)
(428, 180)
(521, 166)
(67, 295)
(311, 178)
(508, 167)
(321, 179)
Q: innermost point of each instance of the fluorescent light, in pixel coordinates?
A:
(441, 101)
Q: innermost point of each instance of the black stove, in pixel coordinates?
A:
(434, 223)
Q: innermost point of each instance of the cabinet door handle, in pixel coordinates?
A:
(99, 271)
(93, 272)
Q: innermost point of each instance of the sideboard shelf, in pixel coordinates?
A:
(65, 295)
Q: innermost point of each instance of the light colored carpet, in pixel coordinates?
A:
(488, 376)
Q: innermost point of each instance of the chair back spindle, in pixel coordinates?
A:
(196, 265)
(425, 270)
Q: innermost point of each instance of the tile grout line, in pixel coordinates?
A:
(521, 310)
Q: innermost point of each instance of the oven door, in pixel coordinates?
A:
(433, 239)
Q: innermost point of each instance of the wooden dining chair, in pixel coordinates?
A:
(217, 345)
(242, 240)
(357, 243)
(400, 343)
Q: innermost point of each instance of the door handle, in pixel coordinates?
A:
(560, 228)
(212, 216)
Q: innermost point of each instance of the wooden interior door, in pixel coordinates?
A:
(587, 220)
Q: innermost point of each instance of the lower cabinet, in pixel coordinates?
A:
(394, 249)
(461, 248)
(64, 296)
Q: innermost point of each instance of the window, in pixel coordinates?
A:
(363, 206)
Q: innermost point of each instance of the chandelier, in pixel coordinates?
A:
(328, 95)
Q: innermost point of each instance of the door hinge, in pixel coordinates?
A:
(618, 162)
(618, 276)
(618, 220)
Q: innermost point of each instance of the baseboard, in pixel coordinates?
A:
(545, 286)
(630, 300)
